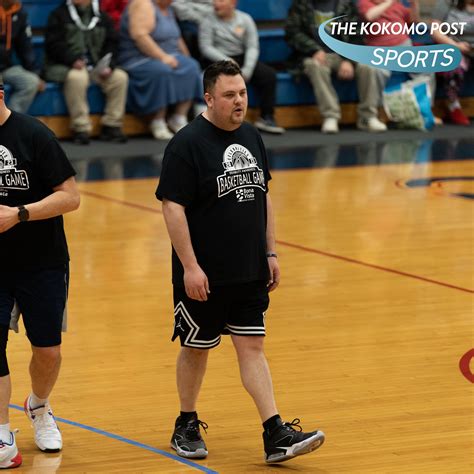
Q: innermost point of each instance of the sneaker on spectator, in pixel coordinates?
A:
(112, 134)
(9, 454)
(330, 125)
(81, 138)
(285, 442)
(372, 124)
(160, 130)
(47, 435)
(177, 122)
(268, 124)
(187, 440)
(457, 117)
(199, 108)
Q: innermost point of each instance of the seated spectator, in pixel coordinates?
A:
(159, 66)
(232, 34)
(317, 61)
(392, 11)
(114, 8)
(80, 47)
(15, 36)
(190, 13)
(452, 81)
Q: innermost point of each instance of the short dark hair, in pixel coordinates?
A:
(214, 70)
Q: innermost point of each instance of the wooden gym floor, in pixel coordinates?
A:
(365, 334)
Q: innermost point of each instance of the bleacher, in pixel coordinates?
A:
(295, 100)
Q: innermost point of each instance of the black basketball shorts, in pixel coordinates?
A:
(236, 309)
(41, 296)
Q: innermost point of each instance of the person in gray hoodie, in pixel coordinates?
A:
(230, 34)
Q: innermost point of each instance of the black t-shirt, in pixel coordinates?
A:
(221, 178)
(32, 163)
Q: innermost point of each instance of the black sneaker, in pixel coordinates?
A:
(268, 124)
(286, 443)
(81, 138)
(112, 134)
(187, 440)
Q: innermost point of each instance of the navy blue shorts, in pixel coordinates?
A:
(237, 309)
(41, 296)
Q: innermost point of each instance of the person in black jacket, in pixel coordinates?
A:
(80, 47)
(15, 36)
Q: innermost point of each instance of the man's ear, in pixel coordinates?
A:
(208, 98)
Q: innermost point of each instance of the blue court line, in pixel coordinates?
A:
(129, 441)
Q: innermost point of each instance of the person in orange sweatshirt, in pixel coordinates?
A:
(15, 37)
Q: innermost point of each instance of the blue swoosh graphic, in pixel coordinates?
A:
(447, 57)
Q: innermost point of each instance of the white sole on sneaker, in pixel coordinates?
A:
(15, 461)
(304, 447)
(198, 454)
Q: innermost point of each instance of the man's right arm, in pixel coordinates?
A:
(195, 280)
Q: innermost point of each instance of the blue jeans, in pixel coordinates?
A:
(24, 86)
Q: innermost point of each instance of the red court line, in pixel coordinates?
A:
(298, 247)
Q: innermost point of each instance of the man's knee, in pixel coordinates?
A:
(193, 352)
(119, 77)
(47, 355)
(77, 78)
(248, 344)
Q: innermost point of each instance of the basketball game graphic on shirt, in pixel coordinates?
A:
(10, 177)
(241, 174)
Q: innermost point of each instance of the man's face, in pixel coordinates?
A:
(227, 102)
(224, 8)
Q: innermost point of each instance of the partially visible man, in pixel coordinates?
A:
(313, 58)
(37, 186)
(214, 188)
(81, 46)
(232, 34)
(15, 37)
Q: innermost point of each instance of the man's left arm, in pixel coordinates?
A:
(273, 266)
(65, 198)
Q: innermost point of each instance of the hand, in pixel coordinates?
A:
(320, 57)
(79, 64)
(346, 71)
(105, 73)
(170, 60)
(274, 268)
(8, 217)
(464, 47)
(41, 86)
(196, 283)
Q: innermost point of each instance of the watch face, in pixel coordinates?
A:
(23, 214)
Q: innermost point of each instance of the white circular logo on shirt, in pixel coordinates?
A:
(237, 157)
(7, 162)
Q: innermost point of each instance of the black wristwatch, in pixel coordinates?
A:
(23, 214)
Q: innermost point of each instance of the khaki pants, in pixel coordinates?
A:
(75, 92)
(368, 87)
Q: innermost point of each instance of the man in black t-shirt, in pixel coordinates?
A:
(37, 186)
(214, 188)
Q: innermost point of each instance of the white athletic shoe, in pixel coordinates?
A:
(9, 454)
(177, 122)
(160, 130)
(330, 125)
(47, 435)
(372, 124)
